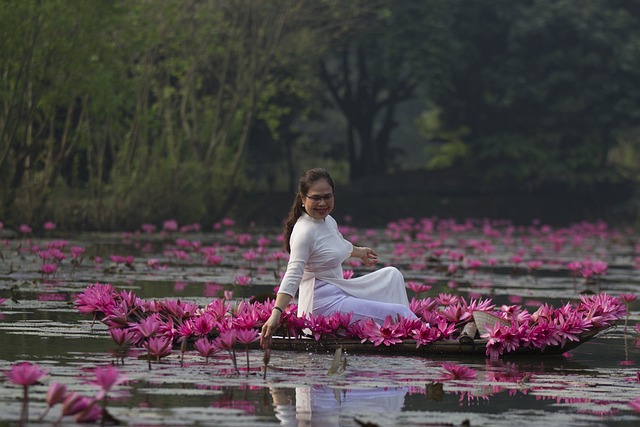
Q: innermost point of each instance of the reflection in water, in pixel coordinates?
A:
(323, 406)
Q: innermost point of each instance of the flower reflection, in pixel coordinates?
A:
(457, 372)
(635, 404)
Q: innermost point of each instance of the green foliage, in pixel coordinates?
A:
(544, 87)
(125, 111)
(447, 147)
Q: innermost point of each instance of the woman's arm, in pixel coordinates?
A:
(270, 326)
(368, 256)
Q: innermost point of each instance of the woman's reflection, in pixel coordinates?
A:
(320, 405)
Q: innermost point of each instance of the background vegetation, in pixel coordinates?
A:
(114, 113)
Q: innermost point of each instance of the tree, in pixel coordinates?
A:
(377, 60)
(540, 91)
(47, 65)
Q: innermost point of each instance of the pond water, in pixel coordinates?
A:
(588, 386)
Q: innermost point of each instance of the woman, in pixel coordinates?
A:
(317, 251)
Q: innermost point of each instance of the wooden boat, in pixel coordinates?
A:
(449, 347)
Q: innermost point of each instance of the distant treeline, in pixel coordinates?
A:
(115, 113)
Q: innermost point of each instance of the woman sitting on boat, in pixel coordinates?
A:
(317, 250)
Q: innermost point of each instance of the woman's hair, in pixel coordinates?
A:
(306, 181)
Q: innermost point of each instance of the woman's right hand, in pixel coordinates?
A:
(269, 328)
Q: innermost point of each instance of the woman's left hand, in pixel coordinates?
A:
(369, 256)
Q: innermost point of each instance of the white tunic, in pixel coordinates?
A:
(318, 250)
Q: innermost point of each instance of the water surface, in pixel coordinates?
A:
(589, 386)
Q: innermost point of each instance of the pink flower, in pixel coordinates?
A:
(425, 334)
(445, 329)
(599, 267)
(170, 225)
(95, 298)
(213, 259)
(247, 336)
(48, 268)
(227, 339)
(386, 334)
(457, 372)
(49, 226)
(24, 228)
(495, 344)
(473, 264)
(74, 403)
(574, 266)
(55, 394)
(158, 347)
(206, 348)
(635, 404)
(148, 228)
(77, 251)
(534, 264)
(250, 255)
(247, 319)
(627, 298)
(447, 299)
(148, 326)
(318, 325)
(516, 259)
(243, 280)
(90, 414)
(25, 374)
(106, 378)
(218, 308)
(417, 287)
(203, 325)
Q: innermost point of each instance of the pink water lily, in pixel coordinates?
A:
(90, 414)
(437, 319)
(206, 348)
(425, 334)
(74, 403)
(147, 327)
(203, 325)
(25, 374)
(627, 298)
(635, 404)
(227, 341)
(97, 297)
(388, 333)
(121, 336)
(318, 325)
(246, 337)
(56, 393)
(158, 347)
(48, 268)
(418, 287)
(106, 378)
(248, 316)
(243, 280)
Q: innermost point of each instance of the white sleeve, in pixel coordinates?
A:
(302, 242)
(346, 242)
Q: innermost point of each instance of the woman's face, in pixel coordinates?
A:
(319, 200)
